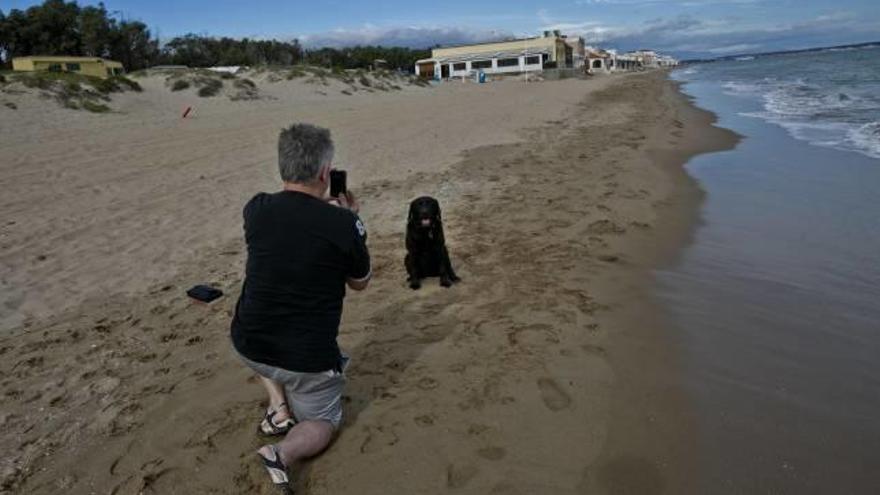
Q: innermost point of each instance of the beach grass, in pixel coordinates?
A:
(76, 91)
(209, 87)
(180, 85)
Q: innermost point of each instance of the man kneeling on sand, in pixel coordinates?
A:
(302, 252)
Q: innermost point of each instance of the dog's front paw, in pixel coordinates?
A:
(414, 284)
(445, 282)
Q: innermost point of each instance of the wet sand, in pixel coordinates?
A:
(546, 371)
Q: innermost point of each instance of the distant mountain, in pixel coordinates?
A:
(781, 52)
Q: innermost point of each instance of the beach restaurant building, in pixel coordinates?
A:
(88, 66)
(520, 55)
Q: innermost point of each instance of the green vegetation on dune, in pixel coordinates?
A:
(180, 85)
(76, 91)
(209, 83)
(209, 87)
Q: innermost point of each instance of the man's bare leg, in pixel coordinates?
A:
(277, 400)
(304, 440)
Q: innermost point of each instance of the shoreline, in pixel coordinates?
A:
(653, 447)
(519, 380)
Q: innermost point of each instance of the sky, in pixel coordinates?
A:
(683, 28)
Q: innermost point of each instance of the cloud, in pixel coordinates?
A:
(412, 36)
(685, 35)
(688, 36)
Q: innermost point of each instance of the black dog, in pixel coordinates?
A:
(426, 254)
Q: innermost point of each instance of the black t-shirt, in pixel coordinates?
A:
(301, 250)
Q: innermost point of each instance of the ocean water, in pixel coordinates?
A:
(827, 98)
(776, 302)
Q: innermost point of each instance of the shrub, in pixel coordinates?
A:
(95, 107)
(245, 90)
(365, 81)
(295, 73)
(113, 84)
(131, 85)
(227, 75)
(180, 85)
(105, 86)
(210, 87)
(72, 87)
(36, 81)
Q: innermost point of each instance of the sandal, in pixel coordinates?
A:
(277, 470)
(269, 427)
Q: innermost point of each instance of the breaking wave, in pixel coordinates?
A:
(832, 116)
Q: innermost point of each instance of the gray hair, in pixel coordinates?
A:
(302, 150)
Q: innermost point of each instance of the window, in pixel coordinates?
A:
(459, 66)
(481, 64)
(73, 67)
(508, 62)
(533, 60)
(55, 67)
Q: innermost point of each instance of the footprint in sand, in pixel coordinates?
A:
(594, 350)
(492, 453)
(605, 227)
(554, 397)
(424, 420)
(459, 476)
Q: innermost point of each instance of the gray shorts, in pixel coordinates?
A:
(310, 396)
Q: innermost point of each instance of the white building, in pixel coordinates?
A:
(513, 56)
(600, 61)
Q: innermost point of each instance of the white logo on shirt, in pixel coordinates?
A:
(361, 229)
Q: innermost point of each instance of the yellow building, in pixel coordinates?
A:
(89, 66)
(520, 55)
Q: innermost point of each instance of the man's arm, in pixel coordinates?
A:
(361, 269)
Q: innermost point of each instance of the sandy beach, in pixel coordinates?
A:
(547, 370)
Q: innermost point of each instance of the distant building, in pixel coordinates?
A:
(578, 51)
(651, 59)
(227, 69)
(89, 66)
(598, 60)
(520, 55)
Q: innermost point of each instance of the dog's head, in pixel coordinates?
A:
(424, 212)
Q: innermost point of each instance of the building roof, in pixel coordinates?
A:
(520, 40)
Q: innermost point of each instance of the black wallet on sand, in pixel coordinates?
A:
(204, 293)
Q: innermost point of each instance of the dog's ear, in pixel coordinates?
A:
(436, 205)
(412, 212)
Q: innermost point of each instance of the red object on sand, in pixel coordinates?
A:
(187, 112)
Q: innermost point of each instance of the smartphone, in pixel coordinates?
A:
(204, 293)
(337, 183)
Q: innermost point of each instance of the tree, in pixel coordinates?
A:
(57, 27)
(130, 43)
(95, 31)
(53, 28)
